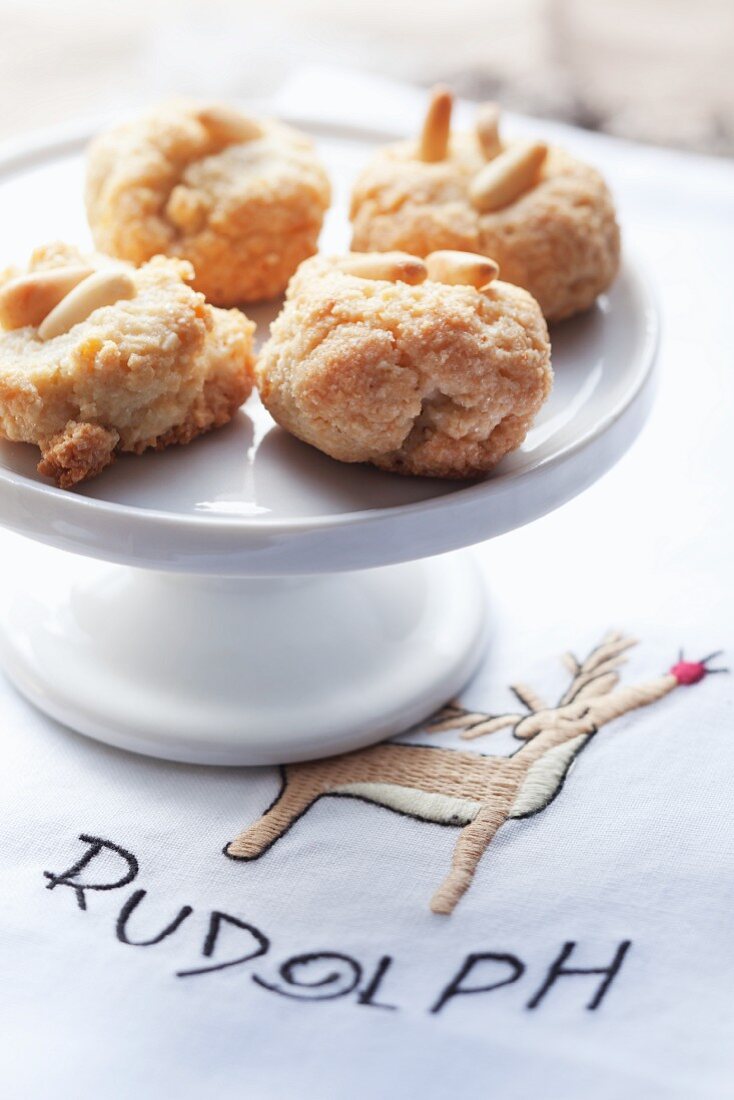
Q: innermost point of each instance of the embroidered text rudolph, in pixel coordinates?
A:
(478, 793)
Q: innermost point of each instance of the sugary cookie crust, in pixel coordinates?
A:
(77, 453)
(432, 379)
(159, 368)
(244, 214)
(559, 240)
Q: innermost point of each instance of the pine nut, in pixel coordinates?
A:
(391, 266)
(463, 268)
(29, 298)
(226, 126)
(103, 288)
(508, 176)
(488, 130)
(434, 139)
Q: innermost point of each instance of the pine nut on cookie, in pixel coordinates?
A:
(545, 217)
(98, 357)
(433, 368)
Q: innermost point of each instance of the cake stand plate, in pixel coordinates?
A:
(261, 603)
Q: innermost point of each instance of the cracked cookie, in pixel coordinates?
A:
(419, 367)
(98, 357)
(545, 217)
(242, 199)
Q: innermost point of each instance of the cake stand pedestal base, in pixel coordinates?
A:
(215, 670)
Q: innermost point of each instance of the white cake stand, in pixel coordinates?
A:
(265, 603)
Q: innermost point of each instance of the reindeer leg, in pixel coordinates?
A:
(297, 794)
(469, 849)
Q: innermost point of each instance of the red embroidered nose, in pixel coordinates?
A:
(689, 672)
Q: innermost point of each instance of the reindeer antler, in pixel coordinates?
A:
(471, 723)
(477, 723)
(528, 697)
(594, 676)
(597, 674)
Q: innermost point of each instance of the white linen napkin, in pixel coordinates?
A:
(593, 953)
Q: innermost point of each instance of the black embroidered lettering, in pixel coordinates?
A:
(558, 970)
(334, 983)
(456, 989)
(370, 991)
(216, 921)
(95, 845)
(129, 908)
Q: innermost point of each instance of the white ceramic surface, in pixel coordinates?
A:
(271, 668)
(230, 671)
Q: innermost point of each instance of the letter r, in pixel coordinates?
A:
(95, 845)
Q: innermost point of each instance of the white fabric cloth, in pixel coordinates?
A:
(637, 847)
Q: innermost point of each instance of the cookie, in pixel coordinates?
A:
(545, 217)
(240, 199)
(431, 368)
(98, 357)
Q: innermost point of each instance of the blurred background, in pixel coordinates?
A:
(658, 71)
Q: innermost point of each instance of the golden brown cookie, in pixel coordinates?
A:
(242, 200)
(546, 218)
(98, 357)
(420, 368)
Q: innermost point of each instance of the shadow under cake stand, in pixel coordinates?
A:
(267, 604)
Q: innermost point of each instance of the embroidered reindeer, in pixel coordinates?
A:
(478, 793)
